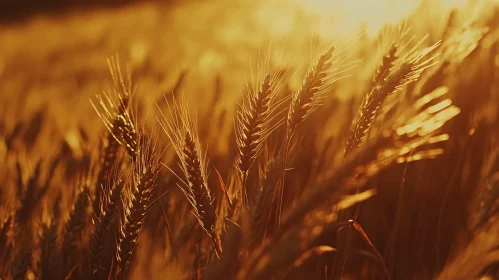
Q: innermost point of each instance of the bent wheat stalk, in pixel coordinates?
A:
(406, 141)
(385, 84)
(407, 72)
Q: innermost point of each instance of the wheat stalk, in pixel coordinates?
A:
(384, 85)
(252, 124)
(413, 130)
(137, 202)
(181, 131)
(384, 69)
(118, 121)
(307, 99)
(339, 183)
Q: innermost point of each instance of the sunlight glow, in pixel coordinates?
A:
(347, 15)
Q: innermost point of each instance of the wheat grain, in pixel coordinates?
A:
(118, 121)
(407, 72)
(181, 131)
(252, 125)
(306, 100)
(137, 202)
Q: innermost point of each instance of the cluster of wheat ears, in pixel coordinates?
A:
(404, 187)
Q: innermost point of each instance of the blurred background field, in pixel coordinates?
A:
(58, 50)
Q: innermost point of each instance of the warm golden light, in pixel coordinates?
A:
(345, 16)
(249, 139)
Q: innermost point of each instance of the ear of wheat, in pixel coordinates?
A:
(385, 84)
(413, 130)
(384, 68)
(253, 124)
(137, 201)
(181, 131)
(307, 99)
(119, 122)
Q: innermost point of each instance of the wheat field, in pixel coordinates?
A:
(251, 140)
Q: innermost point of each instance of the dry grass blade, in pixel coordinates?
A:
(360, 231)
(184, 235)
